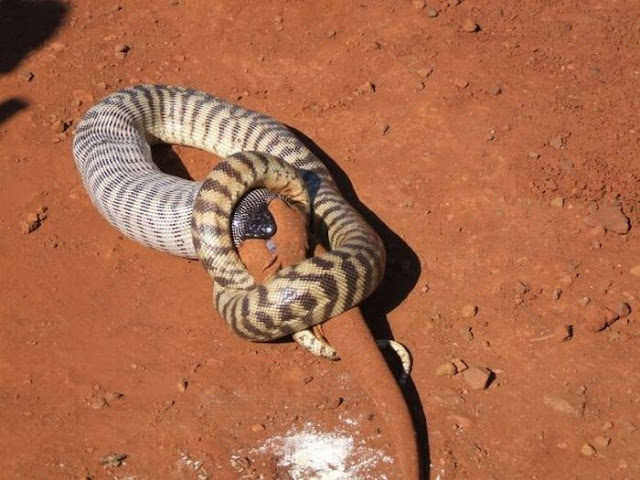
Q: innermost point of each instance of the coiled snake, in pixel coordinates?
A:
(192, 219)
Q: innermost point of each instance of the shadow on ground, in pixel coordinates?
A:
(24, 27)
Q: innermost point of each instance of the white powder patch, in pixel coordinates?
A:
(310, 454)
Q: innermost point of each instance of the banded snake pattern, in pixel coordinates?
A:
(112, 151)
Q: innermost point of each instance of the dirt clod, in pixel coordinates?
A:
(587, 450)
(599, 318)
(446, 369)
(470, 26)
(469, 311)
(623, 310)
(611, 218)
(477, 378)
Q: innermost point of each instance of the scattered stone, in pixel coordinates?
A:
(623, 310)
(460, 364)
(584, 301)
(606, 426)
(419, 4)
(331, 33)
(496, 91)
(27, 75)
(556, 142)
(113, 460)
(534, 155)
(477, 378)
(257, 427)
(182, 385)
(121, 48)
(520, 288)
(467, 333)
(461, 83)
(432, 12)
(34, 220)
(563, 406)
(384, 128)
(58, 126)
(470, 26)
(557, 292)
(557, 202)
(563, 333)
(99, 403)
(425, 72)
(446, 369)
(602, 441)
(367, 87)
(629, 427)
(635, 271)
(111, 396)
(469, 311)
(597, 319)
(27, 227)
(611, 218)
(587, 450)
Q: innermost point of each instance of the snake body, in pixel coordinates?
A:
(192, 219)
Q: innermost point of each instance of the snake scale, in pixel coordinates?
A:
(193, 219)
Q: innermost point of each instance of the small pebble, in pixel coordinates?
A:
(384, 128)
(606, 426)
(27, 226)
(460, 364)
(461, 83)
(470, 26)
(113, 460)
(477, 377)
(432, 12)
(563, 333)
(557, 202)
(28, 76)
(121, 48)
(587, 450)
(557, 292)
(425, 72)
(496, 91)
(635, 271)
(257, 427)
(584, 301)
(556, 142)
(366, 87)
(602, 441)
(623, 310)
(534, 155)
(520, 288)
(446, 369)
(467, 333)
(182, 386)
(419, 4)
(57, 46)
(331, 33)
(469, 311)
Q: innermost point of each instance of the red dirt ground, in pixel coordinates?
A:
(481, 158)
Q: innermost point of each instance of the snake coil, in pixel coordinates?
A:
(192, 219)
